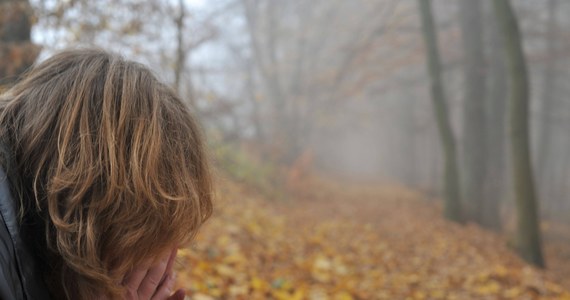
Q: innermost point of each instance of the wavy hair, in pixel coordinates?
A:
(112, 163)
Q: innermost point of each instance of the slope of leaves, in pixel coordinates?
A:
(349, 242)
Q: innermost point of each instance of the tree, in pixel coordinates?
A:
(15, 44)
(311, 59)
(547, 101)
(263, 44)
(474, 147)
(184, 85)
(496, 130)
(180, 51)
(528, 233)
(452, 208)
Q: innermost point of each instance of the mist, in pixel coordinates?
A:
(301, 98)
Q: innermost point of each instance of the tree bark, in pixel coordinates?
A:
(528, 232)
(474, 148)
(452, 207)
(180, 52)
(543, 163)
(496, 131)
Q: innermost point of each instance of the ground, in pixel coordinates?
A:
(333, 240)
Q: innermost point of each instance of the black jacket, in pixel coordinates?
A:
(20, 277)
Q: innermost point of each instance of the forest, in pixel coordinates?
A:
(362, 149)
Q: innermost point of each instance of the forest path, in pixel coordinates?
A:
(334, 240)
(406, 221)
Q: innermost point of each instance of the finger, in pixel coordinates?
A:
(170, 264)
(179, 295)
(153, 278)
(165, 289)
(133, 279)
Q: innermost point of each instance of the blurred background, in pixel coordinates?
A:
(364, 149)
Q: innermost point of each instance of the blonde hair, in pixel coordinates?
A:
(112, 162)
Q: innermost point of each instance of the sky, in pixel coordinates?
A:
(196, 3)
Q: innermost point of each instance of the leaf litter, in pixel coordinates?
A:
(349, 241)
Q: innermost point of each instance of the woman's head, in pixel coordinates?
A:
(113, 160)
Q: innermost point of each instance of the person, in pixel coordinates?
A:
(103, 176)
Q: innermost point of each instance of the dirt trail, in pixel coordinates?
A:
(335, 240)
(408, 221)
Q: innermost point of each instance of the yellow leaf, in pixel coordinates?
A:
(225, 270)
(258, 284)
(281, 295)
(512, 293)
(343, 296)
(489, 288)
(235, 258)
(419, 295)
(202, 297)
(298, 295)
(238, 290)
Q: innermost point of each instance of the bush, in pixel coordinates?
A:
(247, 167)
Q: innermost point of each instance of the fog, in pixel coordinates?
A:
(343, 80)
(342, 89)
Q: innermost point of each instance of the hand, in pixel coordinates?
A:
(153, 281)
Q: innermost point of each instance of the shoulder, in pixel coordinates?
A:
(10, 283)
(19, 275)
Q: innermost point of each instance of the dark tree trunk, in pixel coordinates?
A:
(452, 207)
(496, 130)
(474, 147)
(528, 232)
(544, 146)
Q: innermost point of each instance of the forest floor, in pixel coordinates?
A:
(354, 241)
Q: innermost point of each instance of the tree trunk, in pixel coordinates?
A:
(543, 163)
(474, 147)
(559, 203)
(496, 131)
(528, 232)
(264, 45)
(452, 208)
(180, 53)
(17, 52)
(408, 144)
(252, 93)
